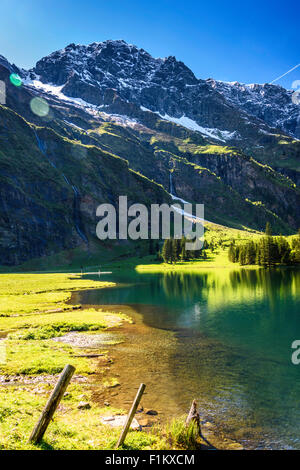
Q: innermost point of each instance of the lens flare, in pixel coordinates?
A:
(39, 106)
(15, 79)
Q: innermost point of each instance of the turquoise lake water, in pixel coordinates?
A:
(232, 333)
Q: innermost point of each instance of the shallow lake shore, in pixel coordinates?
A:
(42, 332)
(220, 336)
(139, 358)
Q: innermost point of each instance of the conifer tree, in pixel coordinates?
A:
(167, 251)
(284, 250)
(176, 249)
(257, 254)
(268, 230)
(242, 255)
(295, 255)
(268, 248)
(268, 251)
(236, 253)
(231, 253)
(184, 255)
(197, 253)
(250, 253)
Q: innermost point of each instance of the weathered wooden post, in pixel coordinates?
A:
(194, 417)
(53, 402)
(130, 416)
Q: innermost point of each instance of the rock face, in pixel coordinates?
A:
(229, 111)
(10, 67)
(50, 188)
(272, 104)
(124, 123)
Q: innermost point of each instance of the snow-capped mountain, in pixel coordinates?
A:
(99, 72)
(272, 104)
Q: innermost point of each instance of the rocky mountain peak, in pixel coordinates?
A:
(271, 103)
(169, 88)
(12, 68)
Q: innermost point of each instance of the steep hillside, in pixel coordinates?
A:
(51, 186)
(120, 122)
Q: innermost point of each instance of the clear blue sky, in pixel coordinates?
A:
(253, 41)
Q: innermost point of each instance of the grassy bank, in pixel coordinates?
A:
(34, 313)
(35, 318)
(112, 255)
(213, 260)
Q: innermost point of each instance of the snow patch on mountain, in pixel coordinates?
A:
(120, 119)
(184, 121)
(218, 134)
(74, 125)
(56, 91)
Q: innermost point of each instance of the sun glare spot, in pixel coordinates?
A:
(39, 106)
(15, 79)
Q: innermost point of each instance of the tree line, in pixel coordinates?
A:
(267, 251)
(173, 250)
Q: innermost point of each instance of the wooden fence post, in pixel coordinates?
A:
(53, 402)
(194, 417)
(130, 416)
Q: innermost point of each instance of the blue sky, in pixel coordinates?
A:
(249, 42)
